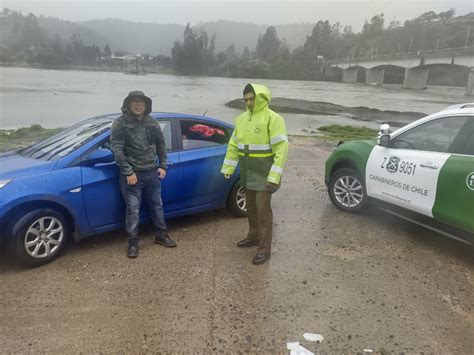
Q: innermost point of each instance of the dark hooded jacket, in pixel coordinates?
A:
(137, 143)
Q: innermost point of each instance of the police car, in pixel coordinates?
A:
(422, 172)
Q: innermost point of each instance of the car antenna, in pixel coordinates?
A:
(204, 114)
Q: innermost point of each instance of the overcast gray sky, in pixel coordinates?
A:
(348, 12)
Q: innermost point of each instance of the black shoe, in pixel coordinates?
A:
(260, 259)
(245, 243)
(165, 240)
(132, 251)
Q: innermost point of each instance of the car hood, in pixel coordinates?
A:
(13, 165)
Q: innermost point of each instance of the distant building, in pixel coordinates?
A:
(127, 57)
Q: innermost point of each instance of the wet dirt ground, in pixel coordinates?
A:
(367, 281)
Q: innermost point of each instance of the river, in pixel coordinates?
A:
(58, 98)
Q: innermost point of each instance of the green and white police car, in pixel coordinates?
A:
(423, 172)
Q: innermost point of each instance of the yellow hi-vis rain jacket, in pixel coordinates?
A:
(259, 143)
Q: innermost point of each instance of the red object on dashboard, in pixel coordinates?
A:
(206, 131)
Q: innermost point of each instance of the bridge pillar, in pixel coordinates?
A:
(470, 83)
(374, 76)
(416, 78)
(350, 75)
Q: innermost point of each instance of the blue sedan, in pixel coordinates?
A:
(67, 185)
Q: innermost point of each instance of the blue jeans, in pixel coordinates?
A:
(148, 185)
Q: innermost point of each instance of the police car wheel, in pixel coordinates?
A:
(236, 201)
(347, 191)
(39, 237)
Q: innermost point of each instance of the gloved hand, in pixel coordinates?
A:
(272, 187)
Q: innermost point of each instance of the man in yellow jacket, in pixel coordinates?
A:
(260, 144)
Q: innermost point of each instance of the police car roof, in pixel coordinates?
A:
(455, 110)
(460, 106)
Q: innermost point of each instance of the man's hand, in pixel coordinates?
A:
(161, 173)
(272, 187)
(132, 179)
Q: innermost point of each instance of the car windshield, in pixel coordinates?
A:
(68, 140)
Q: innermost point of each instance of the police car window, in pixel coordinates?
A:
(469, 147)
(434, 136)
(464, 142)
(200, 134)
(166, 129)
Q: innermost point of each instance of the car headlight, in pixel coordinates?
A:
(4, 183)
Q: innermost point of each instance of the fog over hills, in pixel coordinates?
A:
(154, 38)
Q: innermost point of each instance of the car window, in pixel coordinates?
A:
(434, 136)
(166, 128)
(68, 140)
(464, 144)
(199, 134)
(469, 149)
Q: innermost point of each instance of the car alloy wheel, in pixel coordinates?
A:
(348, 191)
(240, 199)
(236, 201)
(43, 237)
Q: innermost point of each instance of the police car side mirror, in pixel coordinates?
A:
(384, 140)
(384, 129)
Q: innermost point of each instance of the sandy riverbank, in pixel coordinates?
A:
(360, 113)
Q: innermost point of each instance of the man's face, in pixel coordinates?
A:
(249, 99)
(137, 107)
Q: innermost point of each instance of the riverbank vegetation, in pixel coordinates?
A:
(337, 132)
(22, 137)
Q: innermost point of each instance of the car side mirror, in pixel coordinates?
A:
(99, 156)
(384, 129)
(384, 140)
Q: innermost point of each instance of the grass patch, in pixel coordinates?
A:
(337, 132)
(22, 137)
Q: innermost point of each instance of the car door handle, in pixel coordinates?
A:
(429, 165)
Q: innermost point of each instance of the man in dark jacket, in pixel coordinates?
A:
(136, 141)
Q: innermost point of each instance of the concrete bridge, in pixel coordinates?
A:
(416, 65)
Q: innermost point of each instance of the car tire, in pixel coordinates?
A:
(347, 190)
(236, 202)
(39, 237)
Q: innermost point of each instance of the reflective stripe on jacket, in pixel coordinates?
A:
(259, 143)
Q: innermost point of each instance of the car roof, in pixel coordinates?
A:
(455, 110)
(460, 106)
(172, 115)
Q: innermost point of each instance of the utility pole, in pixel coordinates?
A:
(353, 52)
(377, 49)
(467, 37)
(409, 46)
(437, 45)
(398, 51)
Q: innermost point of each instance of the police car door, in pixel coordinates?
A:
(406, 173)
(454, 203)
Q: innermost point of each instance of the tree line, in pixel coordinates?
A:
(24, 40)
(271, 58)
